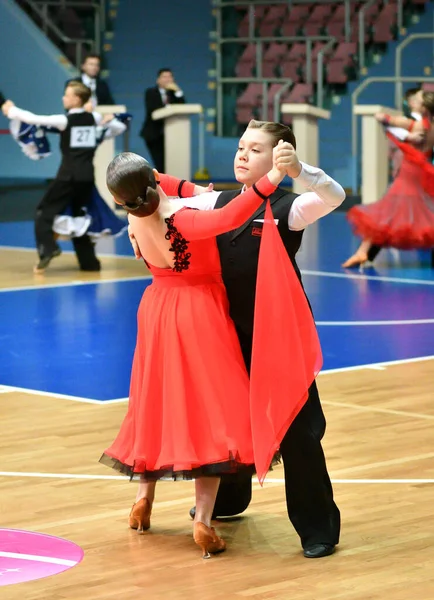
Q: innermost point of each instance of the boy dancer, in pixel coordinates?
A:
(74, 181)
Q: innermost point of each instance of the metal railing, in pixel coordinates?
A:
(40, 9)
(354, 134)
(362, 31)
(220, 80)
(228, 3)
(320, 72)
(330, 41)
(276, 101)
(398, 63)
(252, 3)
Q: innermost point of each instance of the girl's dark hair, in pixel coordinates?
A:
(277, 131)
(131, 180)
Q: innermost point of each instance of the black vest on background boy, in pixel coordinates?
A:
(78, 145)
(73, 186)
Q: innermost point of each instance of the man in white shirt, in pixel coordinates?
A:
(100, 91)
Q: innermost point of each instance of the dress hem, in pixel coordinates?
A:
(231, 466)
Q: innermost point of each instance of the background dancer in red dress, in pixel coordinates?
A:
(404, 217)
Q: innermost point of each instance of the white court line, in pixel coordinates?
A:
(373, 366)
(103, 254)
(271, 480)
(62, 476)
(43, 559)
(376, 365)
(78, 282)
(4, 389)
(373, 323)
(368, 481)
(386, 411)
(303, 272)
(368, 277)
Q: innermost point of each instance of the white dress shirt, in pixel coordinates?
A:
(91, 84)
(114, 127)
(324, 196)
(163, 93)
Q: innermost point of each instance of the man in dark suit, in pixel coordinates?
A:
(2, 99)
(165, 92)
(90, 69)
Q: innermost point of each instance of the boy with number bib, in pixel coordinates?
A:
(74, 182)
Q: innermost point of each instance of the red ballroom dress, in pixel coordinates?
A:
(404, 217)
(192, 410)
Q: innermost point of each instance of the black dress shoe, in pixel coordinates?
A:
(91, 266)
(44, 261)
(319, 550)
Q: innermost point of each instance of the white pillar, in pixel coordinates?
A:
(105, 154)
(375, 152)
(305, 126)
(177, 137)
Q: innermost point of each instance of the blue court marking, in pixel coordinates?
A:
(78, 340)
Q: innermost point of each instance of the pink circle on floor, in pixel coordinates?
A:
(25, 556)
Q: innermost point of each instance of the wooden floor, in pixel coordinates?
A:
(16, 269)
(380, 426)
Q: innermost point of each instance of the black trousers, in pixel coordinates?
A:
(58, 197)
(309, 494)
(156, 150)
(375, 250)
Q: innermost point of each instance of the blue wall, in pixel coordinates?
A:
(33, 73)
(148, 36)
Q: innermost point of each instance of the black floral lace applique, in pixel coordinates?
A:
(179, 246)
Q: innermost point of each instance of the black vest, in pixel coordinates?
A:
(78, 145)
(239, 252)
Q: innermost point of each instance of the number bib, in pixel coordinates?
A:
(83, 137)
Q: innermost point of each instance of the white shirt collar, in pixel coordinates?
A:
(85, 78)
(73, 111)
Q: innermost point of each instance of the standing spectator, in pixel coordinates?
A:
(90, 70)
(165, 92)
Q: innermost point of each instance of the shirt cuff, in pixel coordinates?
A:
(309, 175)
